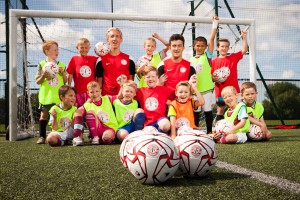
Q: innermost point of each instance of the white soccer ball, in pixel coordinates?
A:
(222, 126)
(154, 158)
(198, 154)
(126, 146)
(255, 132)
(51, 68)
(150, 129)
(102, 48)
(142, 61)
(222, 73)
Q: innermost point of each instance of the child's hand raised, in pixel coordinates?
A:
(121, 79)
(54, 114)
(162, 79)
(193, 80)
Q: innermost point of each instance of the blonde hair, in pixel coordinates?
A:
(148, 69)
(47, 44)
(184, 83)
(223, 40)
(82, 41)
(114, 29)
(92, 84)
(130, 83)
(247, 85)
(228, 90)
(150, 39)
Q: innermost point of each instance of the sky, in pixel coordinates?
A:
(277, 28)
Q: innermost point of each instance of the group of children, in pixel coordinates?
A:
(171, 91)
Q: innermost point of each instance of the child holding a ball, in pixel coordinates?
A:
(50, 76)
(255, 109)
(224, 70)
(65, 120)
(81, 70)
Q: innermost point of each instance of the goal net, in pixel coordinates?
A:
(66, 27)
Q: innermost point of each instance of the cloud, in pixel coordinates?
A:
(288, 74)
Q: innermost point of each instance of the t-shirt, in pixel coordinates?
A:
(229, 62)
(110, 67)
(153, 102)
(83, 70)
(176, 72)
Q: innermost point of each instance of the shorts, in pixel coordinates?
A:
(242, 138)
(220, 101)
(102, 128)
(66, 135)
(155, 124)
(128, 127)
(209, 99)
(81, 98)
(45, 108)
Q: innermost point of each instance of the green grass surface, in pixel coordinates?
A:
(31, 171)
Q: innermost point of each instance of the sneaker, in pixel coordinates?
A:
(77, 141)
(95, 140)
(41, 140)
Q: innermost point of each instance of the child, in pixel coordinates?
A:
(153, 99)
(113, 64)
(227, 63)
(181, 109)
(205, 85)
(255, 109)
(129, 116)
(237, 115)
(153, 59)
(62, 117)
(81, 69)
(99, 115)
(49, 86)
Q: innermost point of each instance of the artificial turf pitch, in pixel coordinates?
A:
(31, 171)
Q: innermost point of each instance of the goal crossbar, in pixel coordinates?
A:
(15, 14)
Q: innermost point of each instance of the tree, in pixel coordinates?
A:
(287, 98)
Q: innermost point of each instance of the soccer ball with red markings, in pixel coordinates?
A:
(127, 144)
(51, 68)
(102, 48)
(255, 132)
(222, 126)
(222, 74)
(153, 158)
(142, 61)
(198, 154)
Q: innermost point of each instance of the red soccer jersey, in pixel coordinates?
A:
(230, 62)
(176, 72)
(83, 70)
(110, 68)
(153, 102)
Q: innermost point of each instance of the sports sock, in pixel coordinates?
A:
(91, 123)
(208, 120)
(196, 118)
(78, 121)
(43, 126)
(139, 121)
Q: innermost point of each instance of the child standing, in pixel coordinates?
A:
(129, 117)
(205, 85)
(181, 109)
(81, 69)
(99, 115)
(153, 100)
(237, 115)
(65, 120)
(255, 109)
(49, 85)
(150, 58)
(226, 63)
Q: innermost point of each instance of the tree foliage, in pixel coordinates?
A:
(287, 98)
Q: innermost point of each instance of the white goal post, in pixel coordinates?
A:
(16, 14)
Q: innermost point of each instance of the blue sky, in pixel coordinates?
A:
(277, 26)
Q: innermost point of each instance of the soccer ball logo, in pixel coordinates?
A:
(198, 154)
(222, 126)
(153, 158)
(255, 132)
(102, 48)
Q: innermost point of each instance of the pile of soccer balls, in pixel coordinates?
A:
(153, 157)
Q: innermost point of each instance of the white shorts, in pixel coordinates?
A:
(68, 134)
(242, 138)
(210, 101)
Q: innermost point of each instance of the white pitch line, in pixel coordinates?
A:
(272, 180)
